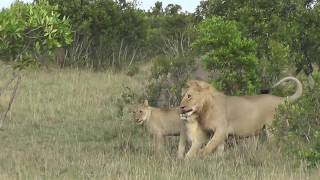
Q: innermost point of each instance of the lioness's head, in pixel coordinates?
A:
(142, 113)
(194, 97)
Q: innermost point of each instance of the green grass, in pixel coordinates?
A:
(72, 124)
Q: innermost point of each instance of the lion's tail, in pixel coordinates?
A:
(298, 92)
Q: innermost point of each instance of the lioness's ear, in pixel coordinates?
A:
(145, 103)
(198, 84)
(132, 108)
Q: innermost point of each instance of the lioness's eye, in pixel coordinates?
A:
(140, 111)
(189, 95)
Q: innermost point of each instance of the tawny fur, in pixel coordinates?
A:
(195, 134)
(231, 115)
(159, 122)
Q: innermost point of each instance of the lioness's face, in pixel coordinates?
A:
(141, 113)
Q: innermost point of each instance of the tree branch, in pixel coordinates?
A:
(13, 95)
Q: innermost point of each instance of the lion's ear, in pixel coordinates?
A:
(183, 91)
(191, 83)
(198, 84)
(145, 103)
(204, 85)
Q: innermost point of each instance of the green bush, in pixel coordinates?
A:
(169, 75)
(28, 31)
(274, 65)
(132, 70)
(298, 124)
(226, 50)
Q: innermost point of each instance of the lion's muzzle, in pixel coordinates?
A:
(185, 109)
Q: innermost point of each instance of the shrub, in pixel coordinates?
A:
(28, 31)
(169, 75)
(302, 134)
(226, 50)
(274, 65)
(132, 70)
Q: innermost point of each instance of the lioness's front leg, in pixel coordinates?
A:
(217, 140)
(182, 141)
(158, 143)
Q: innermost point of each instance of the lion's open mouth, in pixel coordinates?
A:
(185, 111)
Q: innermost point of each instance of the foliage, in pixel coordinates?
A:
(132, 70)
(306, 41)
(291, 23)
(299, 123)
(169, 75)
(28, 31)
(117, 32)
(112, 32)
(170, 31)
(276, 65)
(226, 50)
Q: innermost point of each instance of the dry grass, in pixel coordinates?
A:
(69, 125)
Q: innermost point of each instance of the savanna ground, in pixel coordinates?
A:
(72, 124)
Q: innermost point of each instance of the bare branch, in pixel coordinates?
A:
(132, 58)
(7, 84)
(13, 95)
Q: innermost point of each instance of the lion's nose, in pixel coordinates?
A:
(182, 108)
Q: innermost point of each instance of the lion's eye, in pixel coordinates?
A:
(189, 95)
(140, 111)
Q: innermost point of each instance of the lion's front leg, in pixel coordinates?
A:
(217, 140)
(195, 147)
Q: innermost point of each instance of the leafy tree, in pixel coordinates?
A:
(109, 28)
(171, 32)
(269, 22)
(28, 31)
(157, 9)
(226, 50)
(173, 9)
(305, 38)
(169, 75)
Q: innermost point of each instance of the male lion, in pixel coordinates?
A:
(159, 122)
(231, 115)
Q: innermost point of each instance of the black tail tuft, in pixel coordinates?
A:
(265, 91)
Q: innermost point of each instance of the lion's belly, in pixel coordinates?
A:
(249, 121)
(244, 130)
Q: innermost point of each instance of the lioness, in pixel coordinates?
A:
(159, 122)
(231, 115)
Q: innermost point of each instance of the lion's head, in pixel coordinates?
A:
(195, 96)
(142, 113)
